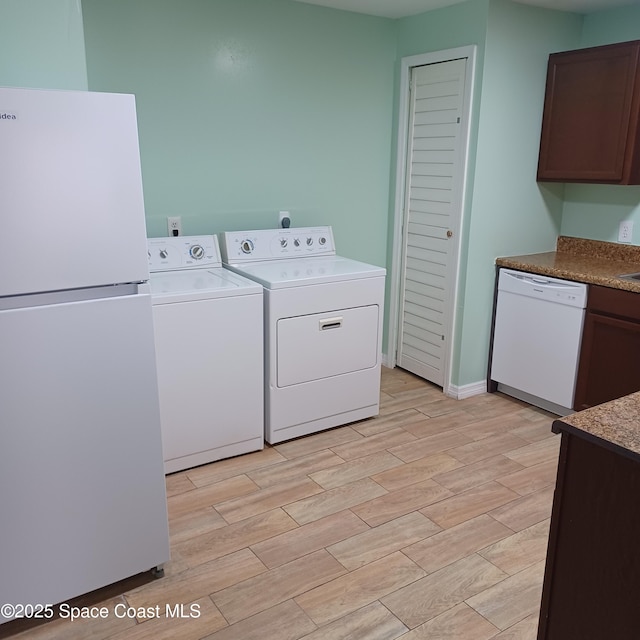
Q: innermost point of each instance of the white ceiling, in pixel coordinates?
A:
(403, 8)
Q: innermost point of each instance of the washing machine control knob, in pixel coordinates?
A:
(296, 242)
(322, 240)
(164, 253)
(283, 242)
(246, 246)
(309, 241)
(196, 252)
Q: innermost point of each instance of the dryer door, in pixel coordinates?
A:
(324, 345)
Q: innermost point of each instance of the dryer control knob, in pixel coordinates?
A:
(309, 241)
(296, 242)
(246, 246)
(283, 242)
(163, 253)
(322, 240)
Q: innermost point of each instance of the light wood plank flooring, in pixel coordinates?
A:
(428, 521)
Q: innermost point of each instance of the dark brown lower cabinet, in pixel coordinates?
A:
(609, 365)
(591, 585)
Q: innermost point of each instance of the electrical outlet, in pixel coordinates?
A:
(625, 231)
(284, 219)
(174, 226)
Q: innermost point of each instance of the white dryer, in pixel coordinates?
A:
(208, 326)
(323, 328)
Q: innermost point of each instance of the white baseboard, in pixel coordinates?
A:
(467, 390)
(453, 391)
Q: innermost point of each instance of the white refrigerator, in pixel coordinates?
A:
(82, 493)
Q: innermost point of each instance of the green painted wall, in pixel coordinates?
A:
(510, 214)
(595, 211)
(248, 107)
(613, 25)
(507, 212)
(454, 26)
(42, 44)
(296, 108)
(458, 25)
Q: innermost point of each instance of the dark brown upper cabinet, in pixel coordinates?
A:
(590, 125)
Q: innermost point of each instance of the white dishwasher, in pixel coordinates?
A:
(536, 339)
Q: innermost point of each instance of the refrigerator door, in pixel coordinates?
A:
(82, 493)
(70, 190)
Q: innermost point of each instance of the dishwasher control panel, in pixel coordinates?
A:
(532, 285)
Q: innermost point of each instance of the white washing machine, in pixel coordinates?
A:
(323, 328)
(208, 325)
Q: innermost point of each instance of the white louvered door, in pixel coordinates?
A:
(431, 218)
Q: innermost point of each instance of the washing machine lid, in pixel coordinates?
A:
(198, 284)
(299, 272)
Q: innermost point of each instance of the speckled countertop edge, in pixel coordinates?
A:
(616, 422)
(582, 260)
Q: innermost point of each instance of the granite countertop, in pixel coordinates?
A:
(616, 424)
(590, 261)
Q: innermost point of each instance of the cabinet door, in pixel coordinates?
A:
(590, 122)
(609, 360)
(591, 590)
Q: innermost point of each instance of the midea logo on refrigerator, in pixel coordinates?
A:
(7, 115)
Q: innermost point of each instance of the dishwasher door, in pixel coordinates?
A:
(536, 341)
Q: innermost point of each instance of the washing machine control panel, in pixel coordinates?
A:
(271, 244)
(183, 252)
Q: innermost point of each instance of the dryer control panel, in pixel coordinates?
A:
(183, 252)
(272, 244)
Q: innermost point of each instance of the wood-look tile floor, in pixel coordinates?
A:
(429, 521)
